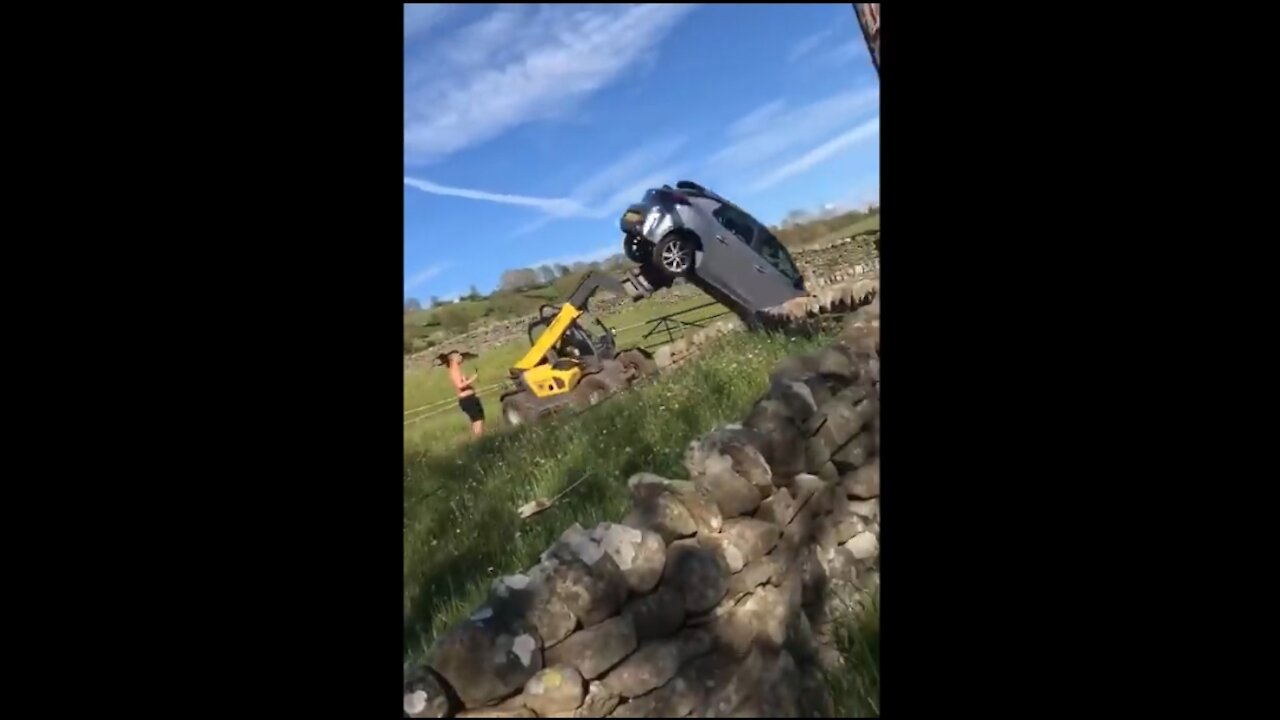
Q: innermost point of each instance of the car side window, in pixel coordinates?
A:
(734, 222)
(773, 253)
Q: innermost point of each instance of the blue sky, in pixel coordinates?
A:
(529, 128)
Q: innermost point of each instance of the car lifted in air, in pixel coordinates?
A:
(688, 231)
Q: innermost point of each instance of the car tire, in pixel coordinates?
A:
(674, 255)
(633, 246)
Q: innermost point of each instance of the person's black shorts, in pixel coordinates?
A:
(472, 407)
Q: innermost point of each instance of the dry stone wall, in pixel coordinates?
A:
(715, 596)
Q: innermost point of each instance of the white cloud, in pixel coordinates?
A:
(820, 154)
(520, 63)
(760, 147)
(808, 44)
(758, 119)
(421, 17)
(424, 275)
(553, 206)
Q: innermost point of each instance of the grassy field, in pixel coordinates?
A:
(423, 385)
(461, 529)
(864, 225)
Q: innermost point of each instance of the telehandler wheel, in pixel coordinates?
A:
(637, 364)
(519, 409)
(590, 391)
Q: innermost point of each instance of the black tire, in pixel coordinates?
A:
(591, 390)
(673, 256)
(637, 363)
(519, 409)
(633, 246)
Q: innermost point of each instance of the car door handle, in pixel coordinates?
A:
(759, 269)
(722, 240)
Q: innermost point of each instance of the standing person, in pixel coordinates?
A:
(465, 388)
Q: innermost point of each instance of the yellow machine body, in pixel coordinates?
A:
(541, 377)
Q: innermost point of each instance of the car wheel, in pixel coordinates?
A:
(674, 255)
(633, 247)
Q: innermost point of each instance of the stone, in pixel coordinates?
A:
(726, 549)
(836, 422)
(523, 598)
(699, 575)
(842, 565)
(829, 473)
(641, 707)
(803, 488)
(594, 650)
(662, 357)
(485, 658)
(820, 388)
(801, 642)
(796, 396)
(753, 538)
(815, 694)
(725, 700)
(732, 494)
(646, 669)
(851, 395)
(863, 546)
(599, 701)
(780, 559)
(855, 453)
(863, 483)
(869, 509)
(784, 439)
(816, 454)
(701, 508)
(593, 592)
(753, 575)
(834, 363)
(695, 682)
(556, 689)
(734, 441)
(656, 508)
(425, 695)
(777, 509)
(813, 577)
(498, 712)
(782, 678)
(658, 614)
(847, 527)
(640, 554)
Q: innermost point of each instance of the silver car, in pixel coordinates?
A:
(688, 231)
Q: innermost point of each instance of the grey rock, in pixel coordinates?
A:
(484, 658)
(640, 554)
(523, 598)
(829, 473)
(785, 441)
(701, 508)
(869, 509)
(842, 565)
(727, 699)
(863, 483)
(777, 509)
(658, 509)
(598, 703)
(641, 707)
(754, 574)
(556, 689)
(699, 575)
(753, 538)
(744, 447)
(815, 694)
(821, 387)
(593, 592)
(646, 669)
(855, 453)
(726, 549)
(816, 454)
(731, 493)
(425, 695)
(658, 614)
(781, 558)
(804, 487)
(852, 395)
(801, 642)
(847, 527)
(838, 364)
(696, 681)
(596, 649)
(498, 712)
(838, 422)
(796, 396)
(863, 546)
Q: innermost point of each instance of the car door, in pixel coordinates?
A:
(782, 279)
(757, 281)
(731, 268)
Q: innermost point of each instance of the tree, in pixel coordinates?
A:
(412, 304)
(546, 273)
(518, 279)
(473, 294)
(435, 301)
(561, 270)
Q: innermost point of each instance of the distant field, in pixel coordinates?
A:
(865, 225)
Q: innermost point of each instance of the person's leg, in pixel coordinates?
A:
(477, 428)
(475, 413)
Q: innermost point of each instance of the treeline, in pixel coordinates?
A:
(521, 291)
(800, 228)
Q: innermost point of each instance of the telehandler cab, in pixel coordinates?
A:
(566, 366)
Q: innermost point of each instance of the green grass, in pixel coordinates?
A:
(461, 529)
(427, 384)
(856, 687)
(866, 224)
